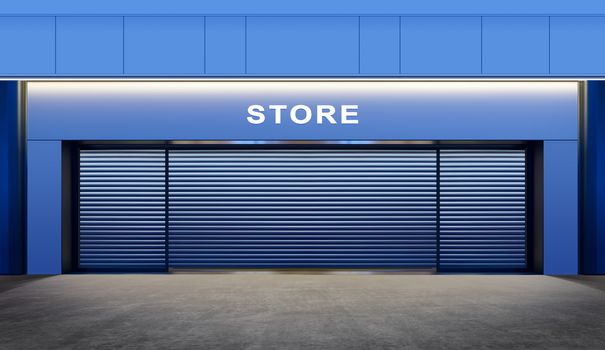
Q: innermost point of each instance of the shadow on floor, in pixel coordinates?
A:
(11, 282)
(596, 282)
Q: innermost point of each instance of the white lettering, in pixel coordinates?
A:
(256, 111)
(347, 111)
(306, 119)
(278, 109)
(303, 114)
(325, 111)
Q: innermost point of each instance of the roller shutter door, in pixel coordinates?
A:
(302, 208)
(122, 209)
(482, 209)
(339, 208)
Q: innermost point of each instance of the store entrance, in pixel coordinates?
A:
(345, 206)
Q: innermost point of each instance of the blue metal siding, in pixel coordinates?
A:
(315, 7)
(281, 45)
(515, 45)
(5, 183)
(441, 45)
(89, 49)
(577, 45)
(90, 45)
(12, 240)
(28, 45)
(542, 111)
(303, 45)
(379, 45)
(561, 207)
(164, 45)
(593, 241)
(225, 45)
(44, 207)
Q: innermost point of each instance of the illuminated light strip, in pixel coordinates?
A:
(281, 87)
(296, 79)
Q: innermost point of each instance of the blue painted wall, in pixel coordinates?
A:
(561, 208)
(225, 50)
(573, 48)
(160, 45)
(356, 38)
(441, 45)
(314, 7)
(524, 50)
(43, 207)
(217, 110)
(32, 43)
(11, 233)
(89, 45)
(593, 242)
(302, 45)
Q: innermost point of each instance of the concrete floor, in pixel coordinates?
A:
(289, 311)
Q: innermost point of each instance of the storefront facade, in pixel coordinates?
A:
(302, 138)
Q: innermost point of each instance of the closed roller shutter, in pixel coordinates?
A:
(339, 208)
(302, 208)
(482, 209)
(122, 209)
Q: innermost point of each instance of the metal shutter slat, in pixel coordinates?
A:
(492, 235)
(122, 211)
(302, 208)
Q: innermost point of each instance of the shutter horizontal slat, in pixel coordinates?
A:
(346, 208)
(492, 235)
(122, 209)
(302, 208)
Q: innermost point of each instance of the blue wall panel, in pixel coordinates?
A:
(164, 45)
(5, 184)
(387, 110)
(303, 45)
(379, 45)
(28, 45)
(318, 7)
(560, 207)
(90, 45)
(577, 45)
(225, 45)
(11, 234)
(441, 45)
(43, 207)
(515, 45)
(593, 243)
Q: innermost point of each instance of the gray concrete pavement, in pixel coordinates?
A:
(302, 311)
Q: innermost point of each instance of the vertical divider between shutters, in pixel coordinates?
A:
(166, 211)
(438, 210)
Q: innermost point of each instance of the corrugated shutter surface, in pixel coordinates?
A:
(482, 209)
(122, 209)
(302, 208)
